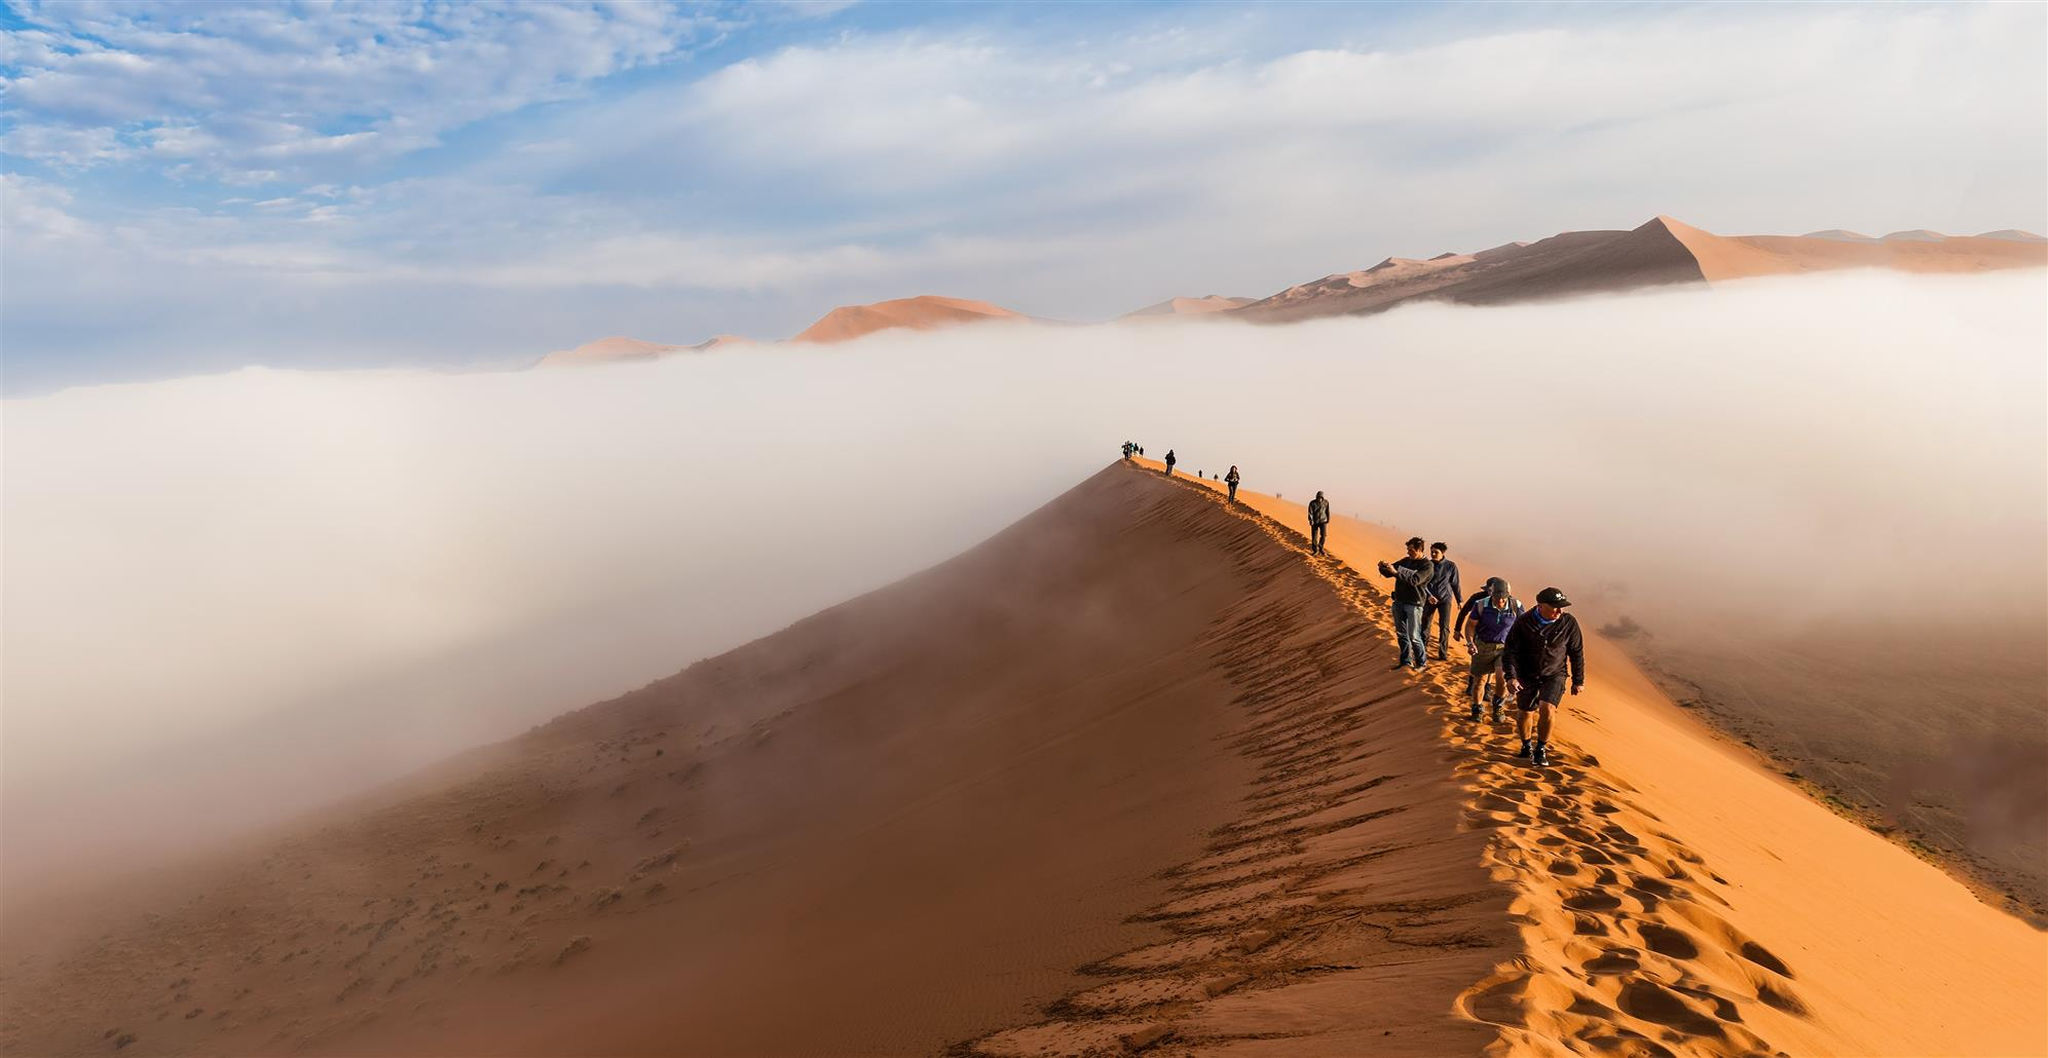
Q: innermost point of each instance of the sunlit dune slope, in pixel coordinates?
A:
(1673, 897)
(922, 313)
(1744, 256)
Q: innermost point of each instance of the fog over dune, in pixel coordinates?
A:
(233, 596)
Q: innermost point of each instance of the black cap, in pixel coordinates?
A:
(1553, 597)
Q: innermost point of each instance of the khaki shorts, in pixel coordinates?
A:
(1486, 658)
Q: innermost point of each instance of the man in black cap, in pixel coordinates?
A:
(1542, 646)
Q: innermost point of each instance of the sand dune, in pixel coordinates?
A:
(1744, 256)
(923, 313)
(1673, 897)
(1161, 794)
(618, 348)
(1661, 251)
(1579, 262)
(1188, 307)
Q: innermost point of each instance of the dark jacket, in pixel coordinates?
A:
(1538, 651)
(1231, 478)
(1411, 579)
(1319, 511)
(1444, 585)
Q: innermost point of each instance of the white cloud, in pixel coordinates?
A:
(268, 91)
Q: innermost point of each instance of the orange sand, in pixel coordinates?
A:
(1657, 838)
(923, 313)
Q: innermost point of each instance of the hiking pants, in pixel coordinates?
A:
(1408, 633)
(1440, 611)
(1233, 491)
(1316, 532)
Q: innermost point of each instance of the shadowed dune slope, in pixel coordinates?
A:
(1575, 262)
(1129, 769)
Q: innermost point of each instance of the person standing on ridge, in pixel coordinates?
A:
(1487, 618)
(1445, 590)
(1542, 645)
(1318, 522)
(1230, 479)
(1128, 449)
(1411, 587)
(1170, 461)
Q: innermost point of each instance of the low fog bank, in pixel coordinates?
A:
(231, 597)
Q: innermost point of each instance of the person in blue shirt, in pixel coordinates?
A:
(1484, 623)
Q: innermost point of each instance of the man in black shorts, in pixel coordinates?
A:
(1542, 648)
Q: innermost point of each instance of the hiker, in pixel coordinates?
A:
(1540, 647)
(1318, 520)
(1230, 479)
(1411, 587)
(1128, 449)
(1485, 622)
(1170, 461)
(1444, 591)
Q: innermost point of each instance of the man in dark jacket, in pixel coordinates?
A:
(1170, 461)
(1446, 591)
(1231, 480)
(1411, 587)
(1541, 647)
(1318, 523)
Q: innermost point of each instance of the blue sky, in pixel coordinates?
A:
(192, 187)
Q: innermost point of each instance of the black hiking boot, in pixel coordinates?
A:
(1475, 710)
(1524, 751)
(1539, 755)
(1496, 710)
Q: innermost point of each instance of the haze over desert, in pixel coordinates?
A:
(1023, 531)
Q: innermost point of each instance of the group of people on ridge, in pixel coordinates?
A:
(1535, 656)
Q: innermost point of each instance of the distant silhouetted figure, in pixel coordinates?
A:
(1230, 479)
(1128, 449)
(1445, 594)
(1486, 619)
(1170, 461)
(1543, 645)
(1318, 523)
(1411, 587)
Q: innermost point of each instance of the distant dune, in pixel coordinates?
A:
(1722, 257)
(1189, 307)
(1161, 790)
(1579, 262)
(615, 349)
(1660, 252)
(923, 313)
